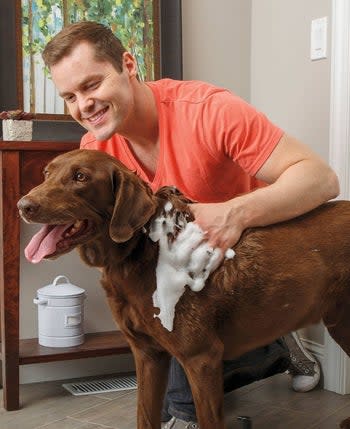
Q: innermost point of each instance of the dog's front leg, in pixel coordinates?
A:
(152, 375)
(205, 375)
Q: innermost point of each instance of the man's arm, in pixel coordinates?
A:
(299, 180)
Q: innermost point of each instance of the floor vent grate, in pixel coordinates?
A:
(102, 386)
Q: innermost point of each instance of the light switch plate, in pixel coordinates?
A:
(318, 49)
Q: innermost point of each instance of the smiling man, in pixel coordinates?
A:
(243, 170)
(100, 99)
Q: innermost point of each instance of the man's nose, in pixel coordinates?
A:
(85, 103)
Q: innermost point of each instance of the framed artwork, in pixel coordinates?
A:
(134, 22)
(167, 50)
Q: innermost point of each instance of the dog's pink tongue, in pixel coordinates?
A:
(44, 242)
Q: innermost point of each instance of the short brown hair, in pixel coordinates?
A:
(107, 46)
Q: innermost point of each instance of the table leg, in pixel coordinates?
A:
(9, 277)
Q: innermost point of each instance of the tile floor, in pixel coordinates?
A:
(270, 403)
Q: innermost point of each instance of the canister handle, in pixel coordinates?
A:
(72, 320)
(60, 278)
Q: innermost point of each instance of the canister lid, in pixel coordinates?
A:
(61, 290)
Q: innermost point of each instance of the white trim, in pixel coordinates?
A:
(336, 367)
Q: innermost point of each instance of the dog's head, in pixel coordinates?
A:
(85, 194)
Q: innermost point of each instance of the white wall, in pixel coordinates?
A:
(260, 50)
(216, 43)
(290, 88)
(293, 90)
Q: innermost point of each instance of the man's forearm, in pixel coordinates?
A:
(298, 190)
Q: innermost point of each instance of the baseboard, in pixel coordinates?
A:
(79, 368)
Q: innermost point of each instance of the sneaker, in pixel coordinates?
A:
(175, 423)
(304, 368)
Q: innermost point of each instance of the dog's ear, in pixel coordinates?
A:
(133, 207)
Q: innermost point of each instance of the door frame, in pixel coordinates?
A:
(336, 363)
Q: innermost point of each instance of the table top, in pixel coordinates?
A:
(39, 145)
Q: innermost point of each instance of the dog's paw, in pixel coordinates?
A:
(345, 424)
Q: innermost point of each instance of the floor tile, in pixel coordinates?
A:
(333, 420)
(69, 423)
(271, 404)
(43, 403)
(117, 413)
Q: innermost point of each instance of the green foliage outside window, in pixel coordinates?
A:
(130, 20)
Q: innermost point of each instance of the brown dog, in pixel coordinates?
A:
(281, 278)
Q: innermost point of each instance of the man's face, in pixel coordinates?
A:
(97, 96)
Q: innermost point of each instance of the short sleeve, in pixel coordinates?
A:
(236, 129)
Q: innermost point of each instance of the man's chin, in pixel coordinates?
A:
(101, 134)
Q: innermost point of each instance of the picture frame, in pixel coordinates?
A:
(167, 45)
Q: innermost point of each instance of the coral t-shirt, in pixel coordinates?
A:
(212, 143)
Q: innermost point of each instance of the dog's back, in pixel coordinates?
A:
(282, 277)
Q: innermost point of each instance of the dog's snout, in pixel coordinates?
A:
(27, 206)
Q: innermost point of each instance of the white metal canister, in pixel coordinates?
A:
(60, 313)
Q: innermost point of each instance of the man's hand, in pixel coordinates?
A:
(220, 222)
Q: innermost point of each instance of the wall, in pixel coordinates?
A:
(290, 88)
(216, 43)
(293, 90)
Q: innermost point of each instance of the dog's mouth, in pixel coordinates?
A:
(53, 240)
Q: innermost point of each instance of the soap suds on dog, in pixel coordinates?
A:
(185, 258)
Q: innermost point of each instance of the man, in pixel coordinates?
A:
(218, 150)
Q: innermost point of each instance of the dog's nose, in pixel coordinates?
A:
(27, 206)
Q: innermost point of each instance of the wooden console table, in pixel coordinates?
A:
(21, 166)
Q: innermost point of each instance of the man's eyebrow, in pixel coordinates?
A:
(64, 94)
(82, 84)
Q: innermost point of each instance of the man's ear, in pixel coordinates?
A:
(130, 64)
(133, 207)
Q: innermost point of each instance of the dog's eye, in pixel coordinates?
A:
(46, 174)
(80, 177)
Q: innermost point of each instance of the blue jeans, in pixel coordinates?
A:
(252, 366)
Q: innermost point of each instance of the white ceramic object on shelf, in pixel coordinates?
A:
(60, 313)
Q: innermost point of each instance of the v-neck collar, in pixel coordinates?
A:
(154, 183)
